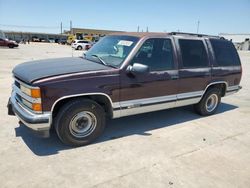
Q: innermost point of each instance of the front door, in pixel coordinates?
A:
(155, 90)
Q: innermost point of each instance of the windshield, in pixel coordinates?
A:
(112, 50)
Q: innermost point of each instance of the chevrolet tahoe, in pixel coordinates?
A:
(123, 74)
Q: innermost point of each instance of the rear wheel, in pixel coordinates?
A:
(80, 122)
(209, 103)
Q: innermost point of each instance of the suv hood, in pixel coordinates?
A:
(35, 70)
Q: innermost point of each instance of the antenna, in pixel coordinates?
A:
(70, 23)
(198, 25)
(61, 27)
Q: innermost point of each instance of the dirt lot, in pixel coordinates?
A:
(171, 148)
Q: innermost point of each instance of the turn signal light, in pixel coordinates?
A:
(35, 93)
(37, 107)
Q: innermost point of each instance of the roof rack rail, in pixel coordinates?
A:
(194, 34)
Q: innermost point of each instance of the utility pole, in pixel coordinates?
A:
(61, 28)
(198, 25)
(147, 29)
(138, 28)
(71, 32)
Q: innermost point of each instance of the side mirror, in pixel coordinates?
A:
(137, 68)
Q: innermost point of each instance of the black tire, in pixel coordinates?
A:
(11, 46)
(210, 95)
(79, 48)
(65, 128)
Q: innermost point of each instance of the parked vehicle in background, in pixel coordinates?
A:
(62, 41)
(51, 40)
(43, 40)
(81, 44)
(35, 39)
(8, 43)
(124, 74)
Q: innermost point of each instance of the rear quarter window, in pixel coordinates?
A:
(225, 53)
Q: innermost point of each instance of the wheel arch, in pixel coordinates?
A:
(101, 98)
(219, 84)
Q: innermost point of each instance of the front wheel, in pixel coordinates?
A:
(209, 102)
(80, 122)
(79, 48)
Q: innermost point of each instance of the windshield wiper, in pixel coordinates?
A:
(102, 61)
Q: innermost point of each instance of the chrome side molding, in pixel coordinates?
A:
(137, 106)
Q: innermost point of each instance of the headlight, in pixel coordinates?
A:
(35, 93)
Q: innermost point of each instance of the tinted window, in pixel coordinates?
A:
(225, 52)
(193, 53)
(157, 54)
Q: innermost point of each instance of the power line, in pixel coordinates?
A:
(28, 26)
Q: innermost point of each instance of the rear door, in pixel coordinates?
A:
(155, 90)
(194, 70)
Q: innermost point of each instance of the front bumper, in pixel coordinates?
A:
(36, 122)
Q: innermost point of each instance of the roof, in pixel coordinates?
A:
(139, 34)
(161, 34)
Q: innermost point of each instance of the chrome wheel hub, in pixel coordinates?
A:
(82, 124)
(211, 102)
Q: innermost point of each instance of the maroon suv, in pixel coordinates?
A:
(124, 74)
(8, 43)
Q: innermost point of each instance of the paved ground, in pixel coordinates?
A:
(171, 148)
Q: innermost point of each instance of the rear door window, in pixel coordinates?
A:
(193, 53)
(225, 52)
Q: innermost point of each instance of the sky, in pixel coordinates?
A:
(214, 16)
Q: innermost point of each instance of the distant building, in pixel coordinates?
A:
(235, 38)
(87, 34)
(241, 41)
(33, 36)
(90, 32)
(2, 35)
(78, 33)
